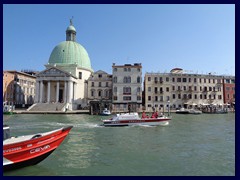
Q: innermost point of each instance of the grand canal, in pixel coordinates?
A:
(191, 145)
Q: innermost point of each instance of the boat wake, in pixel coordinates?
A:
(81, 125)
(145, 125)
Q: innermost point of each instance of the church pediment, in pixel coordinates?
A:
(53, 71)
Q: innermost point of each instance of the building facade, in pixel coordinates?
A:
(99, 91)
(178, 89)
(8, 87)
(229, 90)
(24, 89)
(64, 79)
(127, 87)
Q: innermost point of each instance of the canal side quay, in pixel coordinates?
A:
(23, 111)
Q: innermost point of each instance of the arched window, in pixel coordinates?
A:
(100, 93)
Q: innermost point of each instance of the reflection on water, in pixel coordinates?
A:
(190, 145)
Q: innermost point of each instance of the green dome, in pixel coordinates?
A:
(70, 52)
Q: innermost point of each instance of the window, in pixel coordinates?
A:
(195, 80)
(173, 79)
(106, 84)
(100, 76)
(99, 93)
(115, 69)
(189, 96)
(173, 88)
(195, 96)
(178, 79)
(138, 89)
(100, 84)
(126, 90)
(156, 98)
(115, 79)
(149, 98)
(127, 79)
(149, 78)
(167, 79)
(92, 93)
(139, 98)
(125, 69)
(115, 98)
(167, 89)
(149, 89)
(173, 96)
(127, 98)
(189, 79)
(129, 69)
(179, 96)
(184, 80)
(138, 79)
(80, 75)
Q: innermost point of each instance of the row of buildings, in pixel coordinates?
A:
(70, 82)
(124, 87)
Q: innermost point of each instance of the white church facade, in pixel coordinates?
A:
(63, 82)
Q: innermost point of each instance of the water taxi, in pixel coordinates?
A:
(131, 119)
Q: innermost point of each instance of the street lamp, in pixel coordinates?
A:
(168, 108)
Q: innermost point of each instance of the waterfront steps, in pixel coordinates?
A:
(43, 107)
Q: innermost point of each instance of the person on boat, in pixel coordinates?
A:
(144, 115)
(154, 114)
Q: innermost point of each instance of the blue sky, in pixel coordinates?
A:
(198, 38)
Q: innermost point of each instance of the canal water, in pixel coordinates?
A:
(191, 145)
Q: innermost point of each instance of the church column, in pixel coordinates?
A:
(49, 90)
(41, 92)
(70, 91)
(65, 92)
(57, 92)
(74, 90)
(37, 92)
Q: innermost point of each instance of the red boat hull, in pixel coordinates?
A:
(33, 150)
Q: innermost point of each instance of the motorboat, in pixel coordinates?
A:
(29, 150)
(8, 109)
(131, 119)
(194, 111)
(182, 111)
(105, 112)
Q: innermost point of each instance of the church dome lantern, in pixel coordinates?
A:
(70, 52)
